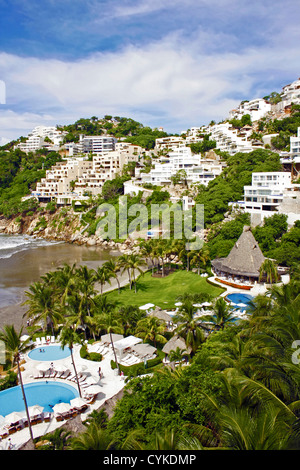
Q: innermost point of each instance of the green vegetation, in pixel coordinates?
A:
(164, 291)
(19, 173)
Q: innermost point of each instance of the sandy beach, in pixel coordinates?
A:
(27, 266)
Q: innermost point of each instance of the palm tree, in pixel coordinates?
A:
(151, 328)
(113, 267)
(68, 337)
(110, 323)
(135, 262)
(94, 438)
(14, 348)
(200, 257)
(125, 265)
(188, 326)
(64, 280)
(59, 439)
(43, 306)
(129, 316)
(103, 276)
(222, 314)
(269, 270)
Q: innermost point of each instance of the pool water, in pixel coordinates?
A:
(46, 394)
(239, 298)
(49, 353)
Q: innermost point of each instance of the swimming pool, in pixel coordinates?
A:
(44, 393)
(239, 298)
(49, 353)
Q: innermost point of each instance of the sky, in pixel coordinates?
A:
(165, 63)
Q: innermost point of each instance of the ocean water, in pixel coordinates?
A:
(24, 259)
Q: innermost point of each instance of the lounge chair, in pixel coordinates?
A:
(65, 374)
(59, 418)
(38, 341)
(47, 374)
(39, 375)
(43, 340)
(52, 339)
(47, 417)
(52, 374)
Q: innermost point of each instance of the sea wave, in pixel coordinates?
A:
(12, 244)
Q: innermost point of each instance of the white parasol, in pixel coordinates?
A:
(43, 366)
(78, 402)
(61, 408)
(93, 389)
(35, 410)
(13, 418)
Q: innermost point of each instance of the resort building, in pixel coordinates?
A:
(271, 193)
(242, 265)
(232, 140)
(170, 143)
(257, 109)
(42, 137)
(96, 144)
(77, 178)
(195, 169)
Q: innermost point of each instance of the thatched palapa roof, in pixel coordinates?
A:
(174, 343)
(245, 258)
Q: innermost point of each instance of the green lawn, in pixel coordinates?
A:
(163, 292)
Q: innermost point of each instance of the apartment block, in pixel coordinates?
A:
(271, 193)
(231, 140)
(257, 109)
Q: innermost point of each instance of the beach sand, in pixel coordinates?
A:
(19, 271)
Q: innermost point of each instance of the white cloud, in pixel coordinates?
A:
(172, 82)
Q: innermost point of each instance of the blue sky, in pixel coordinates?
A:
(170, 63)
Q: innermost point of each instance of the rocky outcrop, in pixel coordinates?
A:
(62, 225)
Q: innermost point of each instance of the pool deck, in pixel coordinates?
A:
(110, 382)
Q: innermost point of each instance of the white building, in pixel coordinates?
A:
(36, 139)
(231, 140)
(271, 193)
(96, 144)
(74, 178)
(197, 170)
(257, 109)
(291, 93)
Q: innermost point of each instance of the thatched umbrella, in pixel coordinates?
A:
(174, 343)
(245, 258)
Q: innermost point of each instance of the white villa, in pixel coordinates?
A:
(198, 170)
(257, 109)
(36, 139)
(271, 193)
(76, 178)
(231, 140)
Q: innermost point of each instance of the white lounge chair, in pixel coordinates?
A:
(38, 341)
(43, 340)
(52, 339)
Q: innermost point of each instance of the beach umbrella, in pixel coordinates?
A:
(77, 402)
(206, 304)
(13, 418)
(93, 389)
(35, 410)
(242, 305)
(2, 420)
(178, 304)
(60, 408)
(91, 380)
